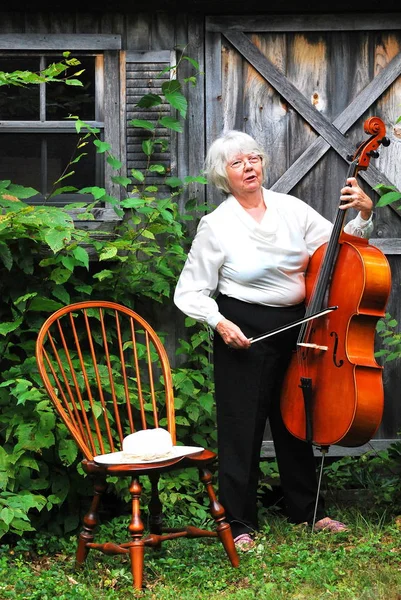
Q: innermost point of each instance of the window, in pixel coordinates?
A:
(37, 140)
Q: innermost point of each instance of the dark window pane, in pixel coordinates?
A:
(38, 160)
(63, 100)
(19, 103)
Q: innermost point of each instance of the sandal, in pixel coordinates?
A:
(327, 524)
(244, 542)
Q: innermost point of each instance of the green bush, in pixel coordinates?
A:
(46, 262)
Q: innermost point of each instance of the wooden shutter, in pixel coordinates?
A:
(143, 77)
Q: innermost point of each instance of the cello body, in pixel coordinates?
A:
(347, 391)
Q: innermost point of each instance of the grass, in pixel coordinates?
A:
(288, 562)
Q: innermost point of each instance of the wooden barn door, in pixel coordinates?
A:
(303, 87)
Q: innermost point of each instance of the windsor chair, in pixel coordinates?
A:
(107, 374)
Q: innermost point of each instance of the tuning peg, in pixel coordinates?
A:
(385, 141)
(373, 154)
(349, 157)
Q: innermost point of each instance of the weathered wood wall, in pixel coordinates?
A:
(265, 75)
(347, 67)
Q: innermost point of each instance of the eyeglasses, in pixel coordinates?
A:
(253, 159)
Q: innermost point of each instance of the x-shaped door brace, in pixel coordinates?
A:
(331, 134)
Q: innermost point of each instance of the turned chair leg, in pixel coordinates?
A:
(136, 529)
(218, 513)
(90, 521)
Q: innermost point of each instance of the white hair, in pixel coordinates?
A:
(225, 148)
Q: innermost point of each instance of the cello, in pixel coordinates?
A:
(333, 389)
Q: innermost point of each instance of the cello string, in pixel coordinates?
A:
(320, 286)
(320, 291)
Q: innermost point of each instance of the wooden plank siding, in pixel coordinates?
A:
(304, 91)
(301, 84)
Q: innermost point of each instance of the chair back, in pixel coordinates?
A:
(107, 374)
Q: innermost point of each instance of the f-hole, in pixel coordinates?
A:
(340, 362)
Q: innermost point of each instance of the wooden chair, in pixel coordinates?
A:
(108, 375)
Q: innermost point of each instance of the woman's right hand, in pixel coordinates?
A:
(232, 335)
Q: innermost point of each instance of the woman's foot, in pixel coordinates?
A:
(244, 542)
(327, 524)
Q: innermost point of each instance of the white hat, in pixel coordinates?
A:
(146, 446)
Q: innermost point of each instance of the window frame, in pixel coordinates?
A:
(110, 71)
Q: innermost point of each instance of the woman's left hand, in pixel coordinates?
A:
(355, 197)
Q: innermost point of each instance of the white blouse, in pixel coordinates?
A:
(261, 263)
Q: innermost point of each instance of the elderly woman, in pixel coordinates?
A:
(244, 275)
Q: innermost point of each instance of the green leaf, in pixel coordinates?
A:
(171, 123)
(61, 293)
(198, 179)
(60, 275)
(171, 90)
(157, 169)
(19, 191)
(107, 253)
(85, 289)
(78, 158)
(81, 255)
(61, 179)
(105, 274)
(114, 162)
(7, 515)
(138, 175)
(206, 401)
(388, 198)
(181, 420)
(392, 356)
(171, 86)
(173, 182)
(124, 181)
(97, 192)
(6, 328)
(68, 262)
(39, 304)
(57, 239)
(6, 256)
(147, 234)
(101, 146)
(192, 61)
(68, 451)
(143, 124)
(191, 79)
(24, 298)
(77, 205)
(148, 147)
(75, 82)
(149, 100)
(132, 202)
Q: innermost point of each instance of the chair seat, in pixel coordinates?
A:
(205, 457)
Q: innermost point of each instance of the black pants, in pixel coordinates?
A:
(248, 386)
